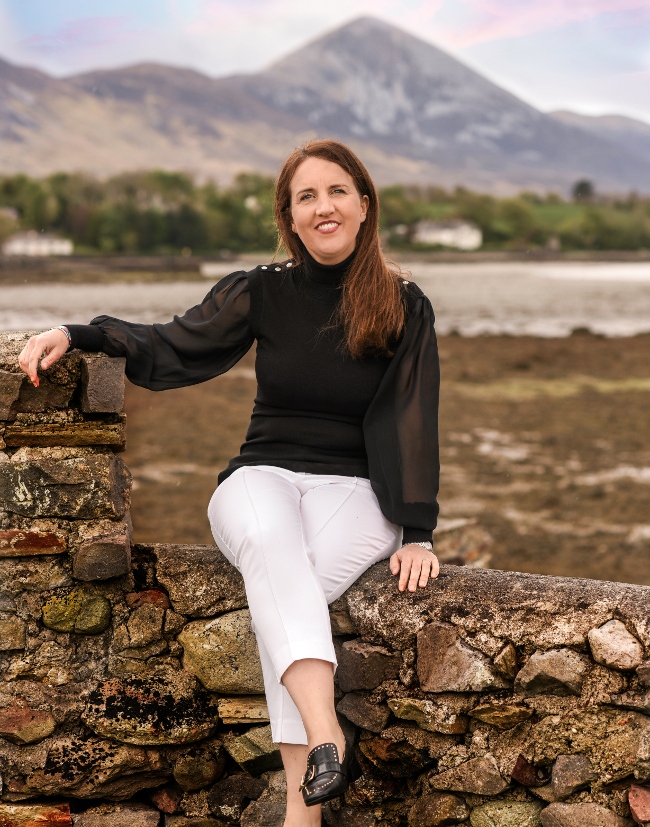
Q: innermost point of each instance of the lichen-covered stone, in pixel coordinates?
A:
(556, 672)
(581, 815)
(254, 750)
(501, 715)
(17, 542)
(78, 611)
(615, 647)
(438, 810)
(360, 711)
(199, 768)
(506, 814)
(363, 665)
(22, 725)
(12, 633)
(118, 815)
(244, 709)
(480, 776)
(199, 580)
(145, 625)
(35, 815)
(79, 483)
(223, 655)
(428, 715)
(152, 711)
(571, 773)
(448, 664)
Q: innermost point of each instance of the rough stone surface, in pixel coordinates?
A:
(78, 483)
(35, 815)
(428, 715)
(228, 798)
(438, 810)
(12, 633)
(145, 625)
(528, 775)
(254, 750)
(150, 597)
(639, 800)
(153, 711)
(643, 671)
(581, 815)
(23, 543)
(10, 384)
(102, 383)
(614, 647)
(199, 580)
(118, 815)
(506, 814)
(198, 769)
(68, 433)
(478, 775)
(222, 653)
(244, 709)
(22, 725)
(360, 711)
(447, 664)
(501, 716)
(364, 666)
(556, 672)
(78, 611)
(505, 662)
(18, 576)
(103, 553)
(571, 773)
(632, 700)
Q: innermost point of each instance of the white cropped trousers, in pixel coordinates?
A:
(299, 540)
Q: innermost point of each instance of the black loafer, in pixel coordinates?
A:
(326, 777)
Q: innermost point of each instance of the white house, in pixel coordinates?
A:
(454, 233)
(32, 243)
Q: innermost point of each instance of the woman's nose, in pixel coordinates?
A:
(324, 206)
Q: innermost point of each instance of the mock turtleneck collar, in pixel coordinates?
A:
(328, 274)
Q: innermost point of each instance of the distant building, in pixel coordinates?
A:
(37, 244)
(454, 233)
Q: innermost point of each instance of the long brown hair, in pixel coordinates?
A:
(371, 310)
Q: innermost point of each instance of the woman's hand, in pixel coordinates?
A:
(415, 565)
(52, 345)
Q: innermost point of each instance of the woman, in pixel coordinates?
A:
(340, 465)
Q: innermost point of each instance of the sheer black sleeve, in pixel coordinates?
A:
(204, 342)
(401, 424)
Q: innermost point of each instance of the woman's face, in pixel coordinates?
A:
(326, 210)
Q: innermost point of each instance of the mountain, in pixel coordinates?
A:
(413, 112)
(630, 134)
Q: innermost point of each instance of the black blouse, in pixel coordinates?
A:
(316, 409)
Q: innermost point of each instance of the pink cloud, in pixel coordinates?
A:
(84, 32)
(499, 19)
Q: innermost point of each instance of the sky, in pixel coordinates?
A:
(589, 56)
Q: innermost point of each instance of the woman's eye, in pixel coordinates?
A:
(305, 196)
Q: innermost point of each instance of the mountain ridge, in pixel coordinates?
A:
(413, 112)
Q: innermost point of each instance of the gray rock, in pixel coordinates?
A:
(254, 750)
(12, 633)
(118, 815)
(363, 665)
(581, 815)
(199, 580)
(570, 773)
(480, 776)
(358, 709)
(556, 672)
(102, 383)
(448, 664)
(104, 551)
(613, 646)
(506, 814)
(639, 701)
(223, 654)
(438, 809)
(151, 711)
(145, 625)
(79, 483)
(429, 715)
(269, 810)
(229, 797)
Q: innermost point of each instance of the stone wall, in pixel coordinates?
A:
(132, 695)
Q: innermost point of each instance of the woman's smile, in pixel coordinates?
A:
(327, 226)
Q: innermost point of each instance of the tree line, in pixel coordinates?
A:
(169, 212)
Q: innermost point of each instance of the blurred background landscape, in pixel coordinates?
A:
(514, 176)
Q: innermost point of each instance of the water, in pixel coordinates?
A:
(538, 299)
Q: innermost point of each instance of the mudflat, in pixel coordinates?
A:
(544, 442)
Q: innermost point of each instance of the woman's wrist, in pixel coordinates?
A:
(427, 544)
(65, 330)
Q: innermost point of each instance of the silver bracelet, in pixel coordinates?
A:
(67, 333)
(427, 544)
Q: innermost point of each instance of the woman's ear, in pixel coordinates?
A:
(365, 202)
